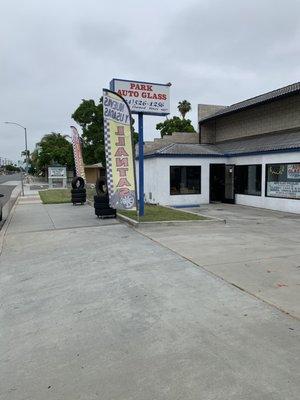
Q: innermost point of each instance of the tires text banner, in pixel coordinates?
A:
(119, 152)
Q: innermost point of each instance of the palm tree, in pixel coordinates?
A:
(184, 107)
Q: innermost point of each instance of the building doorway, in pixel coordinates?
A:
(217, 182)
(221, 183)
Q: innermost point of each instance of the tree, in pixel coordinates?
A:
(54, 148)
(34, 158)
(184, 107)
(11, 168)
(89, 116)
(175, 124)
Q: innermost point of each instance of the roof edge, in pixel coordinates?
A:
(227, 110)
(224, 155)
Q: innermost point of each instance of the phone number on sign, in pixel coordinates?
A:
(144, 103)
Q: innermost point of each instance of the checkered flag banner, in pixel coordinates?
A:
(119, 153)
(109, 176)
(79, 166)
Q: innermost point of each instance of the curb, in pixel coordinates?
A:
(6, 224)
(137, 224)
(128, 221)
(207, 217)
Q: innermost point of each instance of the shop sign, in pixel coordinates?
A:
(57, 172)
(144, 97)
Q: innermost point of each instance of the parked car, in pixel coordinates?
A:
(1, 195)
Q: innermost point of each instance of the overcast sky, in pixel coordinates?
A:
(56, 52)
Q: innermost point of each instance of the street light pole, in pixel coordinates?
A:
(26, 148)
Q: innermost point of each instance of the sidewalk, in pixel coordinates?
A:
(32, 215)
(92, 309)
(41, 217)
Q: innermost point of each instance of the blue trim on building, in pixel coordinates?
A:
(183, 155)
(251, 153)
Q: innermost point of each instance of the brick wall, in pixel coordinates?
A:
(204, 110)
(281, 114)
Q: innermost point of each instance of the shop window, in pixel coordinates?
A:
(185, 180)
(248, 179)
(283, 180)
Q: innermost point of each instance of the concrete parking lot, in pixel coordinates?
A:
(100, 311)
(258, 250)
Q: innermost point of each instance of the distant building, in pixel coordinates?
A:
(247, 153)
(93, 172)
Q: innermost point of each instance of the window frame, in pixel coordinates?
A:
(266, 180)
(185, 194)
(261, 179)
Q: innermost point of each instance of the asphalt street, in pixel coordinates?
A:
(12, 177)
(7, 189)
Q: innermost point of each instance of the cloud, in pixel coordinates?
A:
(243, 34)
(54, 53)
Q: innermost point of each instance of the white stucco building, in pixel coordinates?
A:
(247, 153)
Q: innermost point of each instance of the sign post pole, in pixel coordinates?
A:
(141, 165)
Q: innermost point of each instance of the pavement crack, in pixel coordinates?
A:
(49, 217)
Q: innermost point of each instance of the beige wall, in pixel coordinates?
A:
(204, 110)
(279, 115)
(92, 174)
(207, 133)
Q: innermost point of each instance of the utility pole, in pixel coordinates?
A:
(26, 147)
